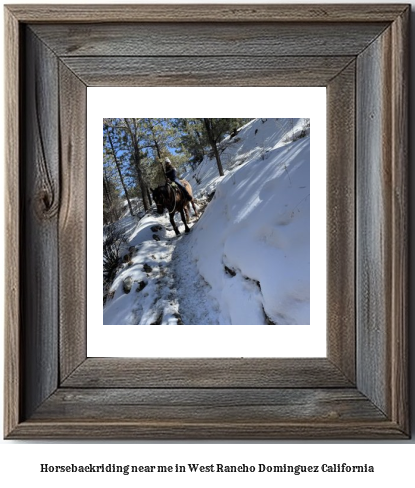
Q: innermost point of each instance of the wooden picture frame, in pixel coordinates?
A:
(360, 53)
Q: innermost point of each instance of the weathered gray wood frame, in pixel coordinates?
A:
(359, 52)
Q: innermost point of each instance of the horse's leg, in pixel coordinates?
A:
(186, 212)
(194, 209)
(173, 223)
(186, 227)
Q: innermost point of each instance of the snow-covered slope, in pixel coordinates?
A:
(252, 245)
(247, 260)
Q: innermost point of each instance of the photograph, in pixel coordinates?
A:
(206, 221)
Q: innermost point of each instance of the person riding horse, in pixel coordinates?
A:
(172, 176)
(166, 197)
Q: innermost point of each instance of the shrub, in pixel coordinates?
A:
(113, 239)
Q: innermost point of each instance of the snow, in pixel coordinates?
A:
(247, 259)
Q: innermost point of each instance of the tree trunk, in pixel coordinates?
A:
(107, 193)
(137, 164)
(159, 158)
(218, 161)
(141, 182)
(156, 145)
(120, 174)
(110, 203)
(212, 142)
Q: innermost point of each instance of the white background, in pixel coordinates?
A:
(393, 461)
(201, 340)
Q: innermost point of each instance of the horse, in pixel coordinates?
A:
(166, 196)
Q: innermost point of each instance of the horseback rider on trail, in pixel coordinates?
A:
(172, 176)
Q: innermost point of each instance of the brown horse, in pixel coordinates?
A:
(173, 200)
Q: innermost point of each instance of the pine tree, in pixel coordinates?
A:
(129, 136)
(163, 139)
(213, 137)
(215, 130)
(192, 140)
(133, 129)
(112, 203)
(111, 149)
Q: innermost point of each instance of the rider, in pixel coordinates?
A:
(171, 175)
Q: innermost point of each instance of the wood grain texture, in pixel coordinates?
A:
(13, 380)
(39, 252)
(206, 13)
(382, 223)
(188, 430)
(72, 222)
(248, 429)
(205, 71)
(374, 221)
(400, 263)
(209, 405)
(208, 39)
(206, 373)
(341, 237)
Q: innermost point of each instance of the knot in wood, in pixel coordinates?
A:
(46, 205)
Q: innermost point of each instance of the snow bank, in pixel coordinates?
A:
(125, 308)
(252, 245)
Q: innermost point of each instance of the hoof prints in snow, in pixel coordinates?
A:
(156, 274)
(127, 284)
(141, 286)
